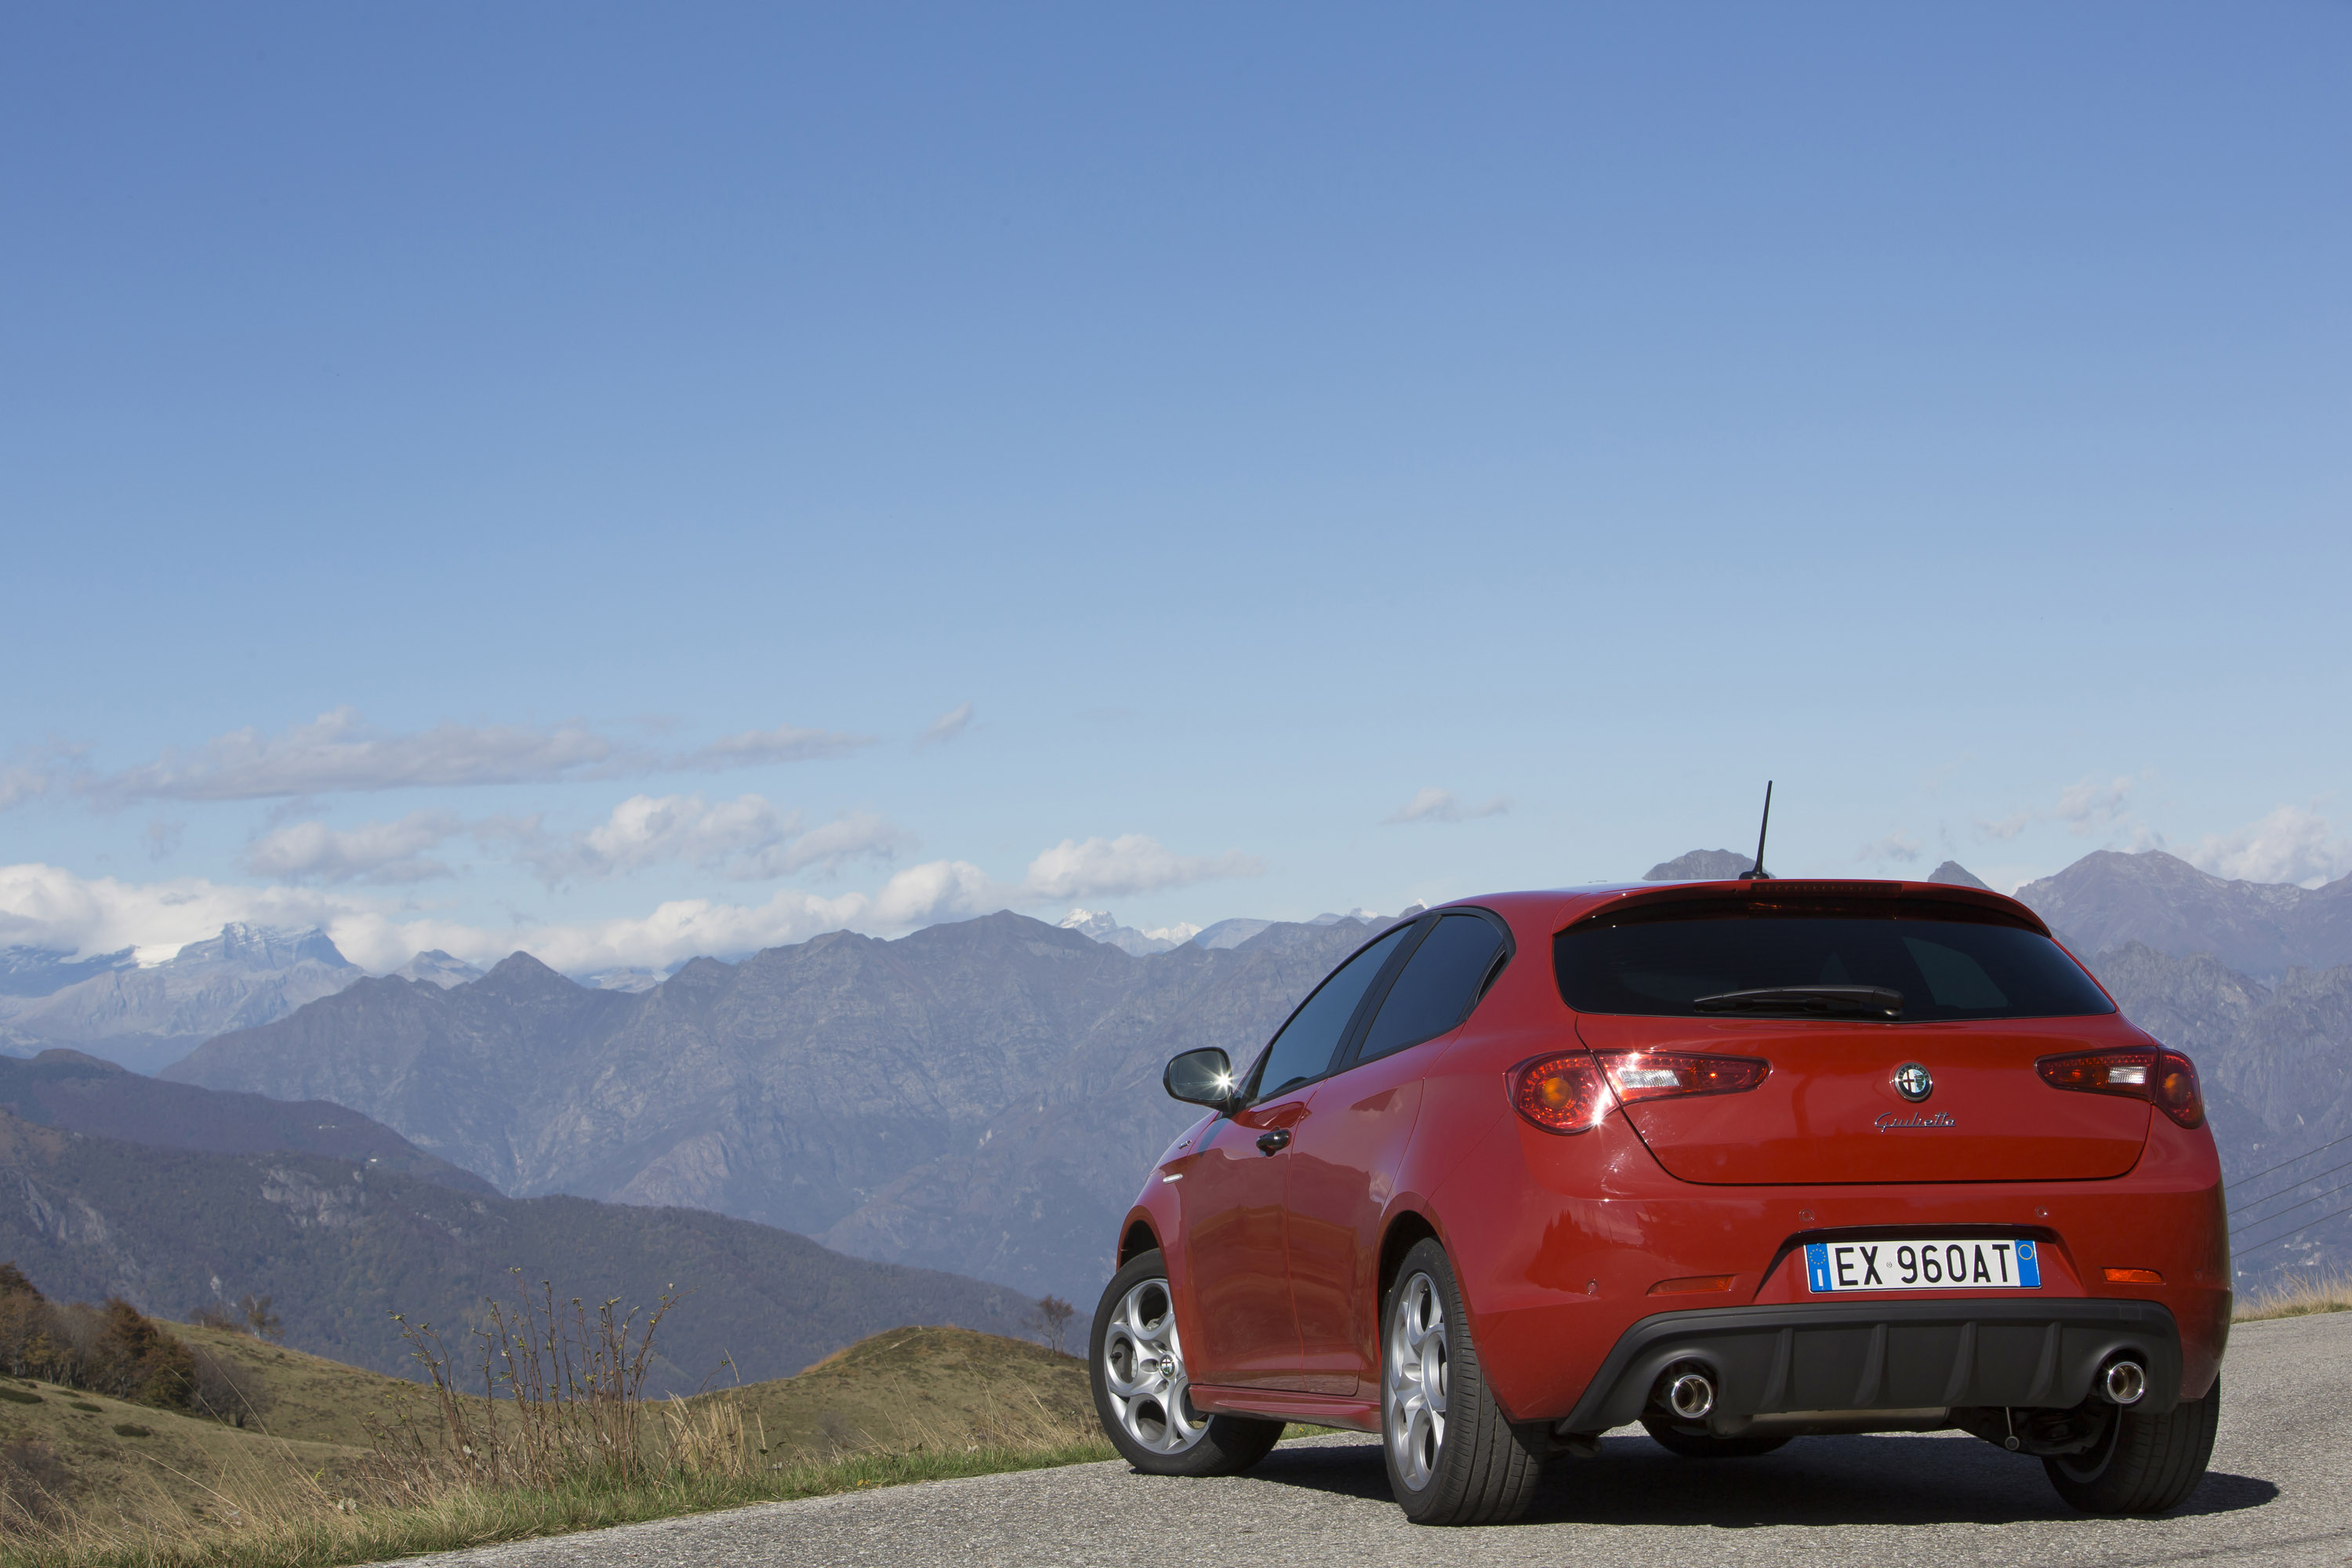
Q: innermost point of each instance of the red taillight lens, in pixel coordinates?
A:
(2166, 1078)
(2176, 1090)
(1561, 1094)
(1656, 1075)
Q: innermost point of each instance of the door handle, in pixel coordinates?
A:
(1274, 1142)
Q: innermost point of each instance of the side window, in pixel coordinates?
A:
(1440, 984)
(1304, 1048)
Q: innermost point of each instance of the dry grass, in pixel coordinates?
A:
(562, 1442)
(287, 1518)
(2327, 1293)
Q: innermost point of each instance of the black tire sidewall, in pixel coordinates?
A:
(1427, 1256)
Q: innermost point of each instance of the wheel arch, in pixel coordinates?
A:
(1135, 1240)
(1406, 1229)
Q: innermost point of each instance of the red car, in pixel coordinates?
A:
(1740, 1161)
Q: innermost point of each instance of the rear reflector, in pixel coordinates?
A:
(2133, 1276)
(1695, 1285)
(1561, 1094)
(1656, 1075)
(2162, 1077)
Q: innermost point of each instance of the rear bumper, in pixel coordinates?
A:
(1911, 1356)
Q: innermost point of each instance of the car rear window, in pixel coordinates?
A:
(1945, 969)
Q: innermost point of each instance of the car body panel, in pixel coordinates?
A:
(1559, 1241)
(1830, 1111)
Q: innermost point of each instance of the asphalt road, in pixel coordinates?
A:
(2280, 1491)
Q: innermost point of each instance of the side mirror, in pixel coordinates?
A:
(1200, 1077)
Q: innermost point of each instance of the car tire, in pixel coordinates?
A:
(1451, 1456)
(2146, 1463)
(1142, 1389)
(1706, 1445)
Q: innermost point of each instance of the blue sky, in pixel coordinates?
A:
(634, 430)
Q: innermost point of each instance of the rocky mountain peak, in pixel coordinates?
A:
(1701, 865)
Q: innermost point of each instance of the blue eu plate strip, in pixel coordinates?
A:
(2029, 1266)
(1817, 1265)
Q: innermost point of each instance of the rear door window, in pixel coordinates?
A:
(1437, 987)
(1303, 1051)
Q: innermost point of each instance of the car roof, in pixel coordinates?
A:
(1540, 912)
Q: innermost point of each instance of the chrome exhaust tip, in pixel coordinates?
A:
(1691, 1395)
(2123, 1383)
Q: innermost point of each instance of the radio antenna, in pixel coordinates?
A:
(1757, 871)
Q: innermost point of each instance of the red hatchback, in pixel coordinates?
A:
(1739, 1161)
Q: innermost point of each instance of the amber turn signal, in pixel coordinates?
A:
(2133, 1276)
(1561, 1094)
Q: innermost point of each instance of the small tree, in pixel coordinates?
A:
(1052, 1319)
(264, 1323)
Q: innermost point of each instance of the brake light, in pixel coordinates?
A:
(2162, 1077)
(1658, 1075)
(1561, 1094)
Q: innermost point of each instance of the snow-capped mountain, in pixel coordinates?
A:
(1103, 926)
(439, 969)
(145, 1017)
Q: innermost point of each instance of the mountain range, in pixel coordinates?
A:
(341, 1245)
(980, 1096)
(144, 1017)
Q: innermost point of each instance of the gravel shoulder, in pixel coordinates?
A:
(2280, 1491)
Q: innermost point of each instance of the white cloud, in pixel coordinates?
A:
(1435, 804)
(1894, 847)
(947, 726)
(2088, 809)
(49, 907)
(43, 906)
(339, 752)
(2292, 844)
(745, 838)
(384, 852)
(1114, 868)
(163, 838)
(753, 748)
(19, 784)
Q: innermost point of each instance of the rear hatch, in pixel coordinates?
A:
(1840, 988)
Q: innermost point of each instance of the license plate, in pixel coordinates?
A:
(1924, 1263)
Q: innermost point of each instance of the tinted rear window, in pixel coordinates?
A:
(1944, 969)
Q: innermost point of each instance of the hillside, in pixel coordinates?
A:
(82, 1094)
(2107, 900)
(980, 1097)
(904, 1388)
(341, 1246)
(2277, 1063)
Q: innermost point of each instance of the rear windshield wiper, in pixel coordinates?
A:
(1809, 1001)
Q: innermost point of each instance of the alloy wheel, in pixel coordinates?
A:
(1414, 1388)
(1143, 1372)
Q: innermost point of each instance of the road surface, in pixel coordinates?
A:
(2280, 1491)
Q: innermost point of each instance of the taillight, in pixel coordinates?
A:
(1572, 1091)
(1561, 1094)
(2176, 1090)
(1657, 1075)
(2164, 1077)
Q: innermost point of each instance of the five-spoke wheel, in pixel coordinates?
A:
(1415, 1387)
(1143, 1367)
(1143, 1391)
(1453, 1457)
